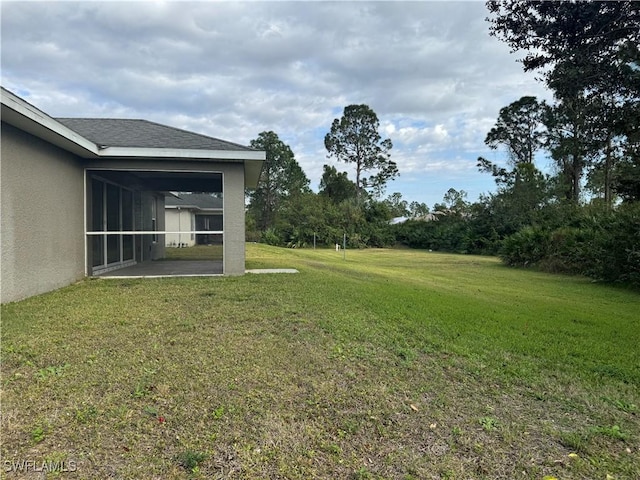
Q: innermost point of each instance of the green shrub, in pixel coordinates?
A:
(271, 237)
(565, 250)
(613, 255)
(598, 243)
(526, 247)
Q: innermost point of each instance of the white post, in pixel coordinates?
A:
(179, 227)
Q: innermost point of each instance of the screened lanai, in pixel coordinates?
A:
(140, 163)
(126, 228)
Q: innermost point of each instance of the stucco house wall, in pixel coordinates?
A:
(233, 220)
(42, 226)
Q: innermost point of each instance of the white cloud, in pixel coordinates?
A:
(430, 70)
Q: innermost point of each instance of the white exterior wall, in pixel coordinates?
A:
(179, 220)
(42, 224)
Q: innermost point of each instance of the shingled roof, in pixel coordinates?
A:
(132, 133)
(194, 200)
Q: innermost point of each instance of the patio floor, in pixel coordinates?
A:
(168, 268)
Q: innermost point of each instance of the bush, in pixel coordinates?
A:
(270, 237)
(450, 233)
(526, 247)
(614, 253)
(601, 244)
(566, 250)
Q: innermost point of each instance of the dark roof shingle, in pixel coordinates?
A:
(132, 133)
(199, 200)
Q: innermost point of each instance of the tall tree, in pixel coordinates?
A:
(606, 141)
(418, 209)
(571, 143)
(354, 138)
(627, 178)
(455, 201)
(397, 206)
(336, 185)
(586, 51)
(627, 183)
(281, 178)
(520, 130)
(587, 46)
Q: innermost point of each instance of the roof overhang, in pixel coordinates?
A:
(26, 117)
(163, 181)
(252, 171)
(252, 159)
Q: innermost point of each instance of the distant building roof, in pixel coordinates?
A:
(197, 201)
(397, 220)
(123, 132)
(429, 217)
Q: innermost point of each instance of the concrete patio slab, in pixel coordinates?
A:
(168, 268)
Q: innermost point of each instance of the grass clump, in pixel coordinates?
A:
(191, 459)
(385, 364)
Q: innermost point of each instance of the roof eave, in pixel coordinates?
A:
(23, 115)
(191, 154)
(252, 159)
(252, 171)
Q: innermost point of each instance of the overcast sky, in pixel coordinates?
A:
(430, 70)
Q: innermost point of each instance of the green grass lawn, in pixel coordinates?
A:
(197, 252)
(394, 364)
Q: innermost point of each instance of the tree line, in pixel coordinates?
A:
(582, 218)
(283, 210)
